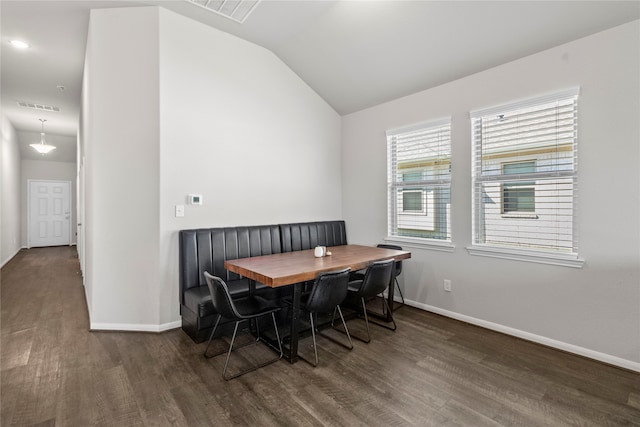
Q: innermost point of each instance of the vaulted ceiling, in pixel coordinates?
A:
(355, 53)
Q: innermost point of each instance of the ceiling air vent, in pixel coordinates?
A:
(40, 107)
(237, 10)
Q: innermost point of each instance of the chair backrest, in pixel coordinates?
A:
(377, 278)
(329, 290)
(220, 296)
(397, 248)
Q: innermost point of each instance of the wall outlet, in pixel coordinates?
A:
(447, 285)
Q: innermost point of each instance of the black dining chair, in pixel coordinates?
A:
(328, 292)
(239, 310)
(376, 279)
(398, 268)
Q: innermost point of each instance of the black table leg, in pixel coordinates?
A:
(295, 323)
(252, 291)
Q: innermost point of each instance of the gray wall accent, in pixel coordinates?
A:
(596, 308)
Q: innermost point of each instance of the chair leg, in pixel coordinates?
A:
(315, 348)
(366, 320)
(231, 349)
(345, 326)
(399, 290)
(337, 309)
(390, 315)
(391, 328)
(213, 331)
(253, 368)
(226, 363)
(275, 327)
(401, 297)
(313, 334)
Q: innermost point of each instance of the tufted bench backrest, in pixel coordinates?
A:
(308, 235)
(207, 249)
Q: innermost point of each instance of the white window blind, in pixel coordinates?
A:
(419, 181)
(524, 175)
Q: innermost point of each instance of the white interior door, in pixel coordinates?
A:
(49, 213)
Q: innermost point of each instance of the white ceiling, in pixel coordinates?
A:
(355, 54)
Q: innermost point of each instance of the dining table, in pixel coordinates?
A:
(297, 267)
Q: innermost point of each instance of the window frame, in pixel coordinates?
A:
(539, 178)
(428, 185)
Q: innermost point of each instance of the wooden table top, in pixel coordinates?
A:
(299, 266)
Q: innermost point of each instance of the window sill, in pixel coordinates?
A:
(420, 243)
(563, 260)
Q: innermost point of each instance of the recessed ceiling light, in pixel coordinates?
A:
(19, 44)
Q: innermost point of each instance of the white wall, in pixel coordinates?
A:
(120, 129)
(594, 310)
(46, 170)
(241, 129)
(10, 227)
(203, 112)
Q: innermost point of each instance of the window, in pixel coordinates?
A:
(518, 197)
(419, 181)
(524, 176)
(413, 200)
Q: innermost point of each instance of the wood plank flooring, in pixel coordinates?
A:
(432, 371)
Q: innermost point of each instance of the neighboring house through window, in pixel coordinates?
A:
(525, 176)
(419, 181)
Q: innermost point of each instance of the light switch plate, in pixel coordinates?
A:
(179, 211)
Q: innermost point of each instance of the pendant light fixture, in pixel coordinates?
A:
(42, 148)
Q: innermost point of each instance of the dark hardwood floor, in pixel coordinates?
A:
(432, 371)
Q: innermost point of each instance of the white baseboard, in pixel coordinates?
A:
(560, 345)
(134, 327)
(128, 327)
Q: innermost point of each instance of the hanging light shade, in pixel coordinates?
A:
(42, 148)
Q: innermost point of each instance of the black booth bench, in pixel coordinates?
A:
(207, 249)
